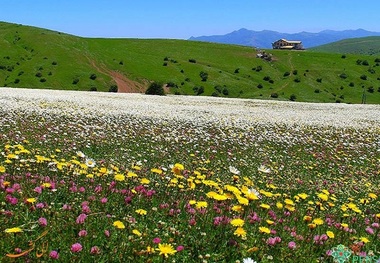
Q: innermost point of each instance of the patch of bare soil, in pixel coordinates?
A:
(124, 84)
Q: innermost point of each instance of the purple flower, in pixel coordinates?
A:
(95, 250)
(180, 248)
(82, 233)
(156, 240)
(42, 221)
(104, 200)
(77, 247)
(54, 254)
(292, 245)
(81, 218)
(369, 230)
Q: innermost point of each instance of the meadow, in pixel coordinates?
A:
(105, 177)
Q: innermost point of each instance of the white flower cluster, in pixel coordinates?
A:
(223, 112)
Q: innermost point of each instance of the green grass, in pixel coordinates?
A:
(363, 46)
(24, 51)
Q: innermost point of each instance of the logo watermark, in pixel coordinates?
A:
(343, 254)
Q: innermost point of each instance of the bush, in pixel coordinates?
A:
(319, 80)
(363, 77)
(187, 79)
(371, 70)
(293, 97)
(38, 74)
(377, 60)
(297, 80)
(365, 63)
(260, 86)
(295, 72)
(343, 56)
(271, 81)
(113, 88)
(75, 81)
(121, 62)
(371, 89)
(258, 68)
(42, 80)
(274, 95)
(351, 84)
(215, 94)
(343, 76)
(16, 81)
(225, 92)
(237, 70)
(54, 63)
(203, 75)
(93, 76)
(155, 88)
(266, 78)
(192, 60)
(93, 89)
(165, 64)
(166, 59)
(317, 91)
(287, 73)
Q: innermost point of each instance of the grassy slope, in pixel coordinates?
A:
(31, 50)
(364, 46)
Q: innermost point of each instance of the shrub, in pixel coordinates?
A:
(20, 73)
(266, 78)
(359, 62)
(271, 81)
(365, 63)
(343, 56)
(293, 97)
(16, 81)
(287, 73)
(215, 94)
(187, 79)
(165, 64)
(218, 88)
(351, 84)
(317, 91)
(295, 72)
(274, 95)
(113, 88)
(93, 76)
(42, 80)
(237, 70)
(258, 68)
(166, 59)
(203, 75)
(225, 92)
(75, 81)
(260, 86)
(93, 89)
(155, 88)
(38, 74)
(182, 71)
(363, 77)
(297, 80)
(371, 70)
(54, 63)
(121, 62)
(319, 80)
(343, 76)
(192, 60)
(371, 89)
(377, 60)
(171, 84)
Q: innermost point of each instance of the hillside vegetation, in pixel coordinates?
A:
(363, 46)
(37, 58)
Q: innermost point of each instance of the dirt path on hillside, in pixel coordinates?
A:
(124, 84)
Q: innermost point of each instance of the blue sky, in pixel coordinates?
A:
(183, 19)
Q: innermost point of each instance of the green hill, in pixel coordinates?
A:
(363, 46)
(37, 58)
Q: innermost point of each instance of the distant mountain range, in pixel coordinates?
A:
(265, 38)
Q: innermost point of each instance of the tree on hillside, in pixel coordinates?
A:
(155, 88)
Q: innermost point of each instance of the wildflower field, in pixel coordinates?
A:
(100, 177)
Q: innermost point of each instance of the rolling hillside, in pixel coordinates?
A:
(38, 58)
(364, 46)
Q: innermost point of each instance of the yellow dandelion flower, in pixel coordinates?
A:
(290, 208)
(252, 249)
(166, 249)
(312, 226)
(192, 202)
(303, 196)
(13, 230)
(2, 169)
(318, 221)
(323, 197)
(136, 167)
(144, 181)
(279, 205)
(237, 222)
(119, 177)
(372, 196)
(242, 200)
(201, 204)
(119, 224)
(265, 206)
(326, 192)
(269, 222)
(131, 174)
(288, 202)
(264, 229)
(364, 240)
(237, 208)
(378, 216)
(6, 183)
(136, 232)
(156, 171)
(240, 232)
(46, 185)
(178, 168)
(149, 250)
(344, 225)
(141, 212)
(330, 234)
(31, 200)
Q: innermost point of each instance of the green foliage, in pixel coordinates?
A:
(203, 75)
(192, 60)
(93, 76)
(363, 77)
(113, 88)
(293, 97)
(155, 88)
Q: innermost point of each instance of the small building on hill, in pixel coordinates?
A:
(287, 44)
